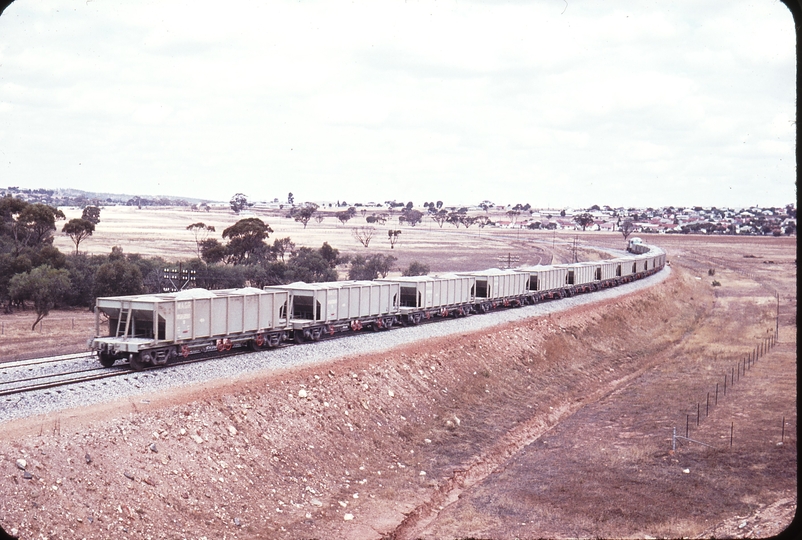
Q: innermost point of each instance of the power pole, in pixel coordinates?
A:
(777, 323)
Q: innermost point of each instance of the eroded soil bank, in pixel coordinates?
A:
(381, 445)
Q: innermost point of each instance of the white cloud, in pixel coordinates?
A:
(151, 113)
(446, 99)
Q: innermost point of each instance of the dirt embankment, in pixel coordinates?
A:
(372, 438)
(359, 448)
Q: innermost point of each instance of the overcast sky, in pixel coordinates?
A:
(554, 103)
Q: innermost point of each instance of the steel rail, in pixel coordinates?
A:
(55, 384)
(51, 375)
(43, 360)
(116, 372)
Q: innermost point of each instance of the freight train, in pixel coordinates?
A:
(152, 329)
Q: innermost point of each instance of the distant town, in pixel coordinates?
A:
(753, 220)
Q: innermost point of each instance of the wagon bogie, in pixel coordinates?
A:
(135, 362)
(265, 340)
(107, 359)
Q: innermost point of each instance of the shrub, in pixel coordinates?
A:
(416, 269)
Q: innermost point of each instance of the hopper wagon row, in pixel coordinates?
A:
(152, 329)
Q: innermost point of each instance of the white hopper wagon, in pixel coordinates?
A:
(151, 329)
(546, 281)
(424, 297)
(339, 306)
(494, 286)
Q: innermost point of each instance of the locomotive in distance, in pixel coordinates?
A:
(150, 330)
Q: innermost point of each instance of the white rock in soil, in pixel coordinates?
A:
(348, 517)
(302, 393)
(21, 464)
(197, 438)
(232, 430)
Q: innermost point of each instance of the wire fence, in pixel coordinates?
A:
(728, 381)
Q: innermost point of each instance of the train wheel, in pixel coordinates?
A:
(106, 359)
(136, 363)
(316, 333)
(253, 345)
(298, 336)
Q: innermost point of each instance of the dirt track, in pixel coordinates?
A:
(555, 427)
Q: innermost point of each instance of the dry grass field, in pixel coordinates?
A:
(61, 332)
(162, 232)
(558, 427)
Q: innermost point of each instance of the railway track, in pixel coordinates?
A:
(25, 382)
(43, 360)
(45, 382)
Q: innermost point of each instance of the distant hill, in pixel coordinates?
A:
(77, 197)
